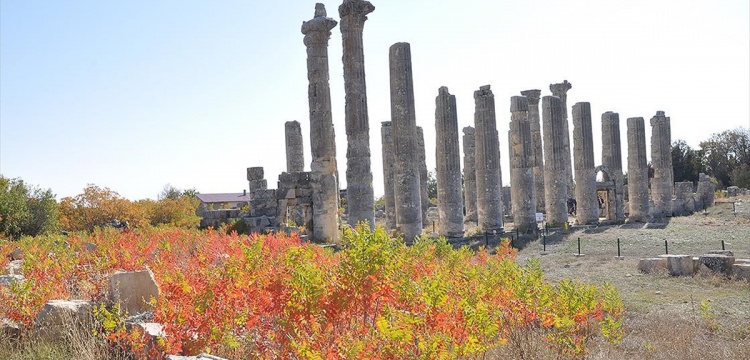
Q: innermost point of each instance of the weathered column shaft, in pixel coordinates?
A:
(487, 161)
(612, 160)
(389, 168)
(537, 147)
(295, 158)
(324, 175)
(662, 187)
(450, 202)
(637, 171)
(583, 148)
(470, 175)
(523, 196)
(555, 177)
(561, 90)
(359, 192)
(407, 192)
(423, 175)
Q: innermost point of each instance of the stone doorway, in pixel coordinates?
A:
(605, 189)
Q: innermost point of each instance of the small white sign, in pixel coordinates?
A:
(539, 217)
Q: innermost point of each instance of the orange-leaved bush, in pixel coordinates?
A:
(273, 296)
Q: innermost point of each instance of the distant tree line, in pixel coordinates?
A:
(29, 210)
(724, 156)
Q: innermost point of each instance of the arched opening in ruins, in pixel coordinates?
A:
(605, 191)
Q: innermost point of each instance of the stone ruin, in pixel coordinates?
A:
(548, 173)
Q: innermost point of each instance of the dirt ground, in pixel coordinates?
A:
(665, 318)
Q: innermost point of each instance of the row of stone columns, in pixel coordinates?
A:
(541, 169)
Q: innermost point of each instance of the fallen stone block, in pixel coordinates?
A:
(8, 280)
(199, 357)
(9, 330)
(14, 267)
(741, 271)
(680, 265)
(651, 265)
(718, 263)
(721, 252)
(59, 317)
(133, 290)
(15, 255)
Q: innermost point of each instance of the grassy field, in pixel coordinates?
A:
(668, 317)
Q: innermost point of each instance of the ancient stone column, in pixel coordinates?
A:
(450, 201)
(662, 186)
(537, 148)
(470, 175)
(407, 193)
(561, 90)
(360, 197)
(583, 150)
(423, 175)
(523, 195)
(612, 160)
(637, 171)
(324, 174)
(555, 161)
(295, 159)
(389, 168)
(487, 161)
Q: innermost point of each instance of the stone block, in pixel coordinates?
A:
(261, 184)
(198, 357)
(8, 280)
(133, 290)
(718, 263)
(14, 267)
(303, 192)
(59, 317)
(283, 193)
(741, 271)
(15, 255)
(262, 194)
(680, 265)
(255, 173)
(9, 330)
(652, 265)
(721, 252)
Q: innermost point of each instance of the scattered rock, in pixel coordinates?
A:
(133, 290)
(9, 330)
(657, 292)
(718, 263)
(741, 271)
(650, 265)
(8, 280)
(14, 267)
(199, 357)
(59, 317)
(628, 275)
(15, 255)
(680, 265)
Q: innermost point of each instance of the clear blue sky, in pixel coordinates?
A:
(136, 94)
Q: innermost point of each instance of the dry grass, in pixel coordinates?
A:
(78, 341)
(664, 319)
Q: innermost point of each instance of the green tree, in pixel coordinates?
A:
(432, 192)
(26, 210)
(724, 152)
(687, 162)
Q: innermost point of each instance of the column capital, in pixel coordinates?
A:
(318, 30)
(358, 8)
(533, 96)
(561, 89)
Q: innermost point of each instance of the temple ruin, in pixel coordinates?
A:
(542, 162)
